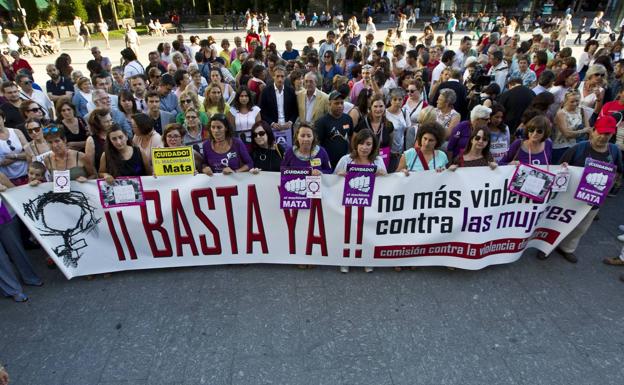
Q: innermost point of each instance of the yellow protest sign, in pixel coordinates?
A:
(173, 161)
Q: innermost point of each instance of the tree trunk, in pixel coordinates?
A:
(99, 7)
(114, 11)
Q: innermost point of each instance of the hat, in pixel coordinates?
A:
(537, 31)
(605, 125)
(595, 69)
(335, 95)
(469, 61)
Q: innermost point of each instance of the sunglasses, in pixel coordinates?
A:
(536, 130)
(10, 145)
(37, 109)
(411, 91)
(259, 133)
(51, 130)
(34, 129)
(26, 82)
(601, 75)
(186, 101)
(479, 138)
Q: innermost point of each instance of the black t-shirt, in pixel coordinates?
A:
(13, 117)
(60, 88)
(268, 159)
(333, 135)
(384, 135)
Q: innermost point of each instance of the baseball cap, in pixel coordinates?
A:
(335, 95)
(605, 125)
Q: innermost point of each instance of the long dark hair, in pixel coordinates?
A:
(486, 150)
(267, 129)
(112, 156)
(252, 97)
(143, 122)
(127, 95)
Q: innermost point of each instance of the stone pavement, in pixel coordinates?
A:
(531, 322)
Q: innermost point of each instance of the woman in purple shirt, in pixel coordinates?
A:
(537, 149)
(222, 151)
(307, 153)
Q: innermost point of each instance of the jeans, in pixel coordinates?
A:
(451, 40)
(11, 249)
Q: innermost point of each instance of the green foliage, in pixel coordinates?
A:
(67, 9)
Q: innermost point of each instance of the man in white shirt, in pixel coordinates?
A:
(447, 61)
(137, 85)
(166, 54)
(499, 69)
(462, 53)
(398, 59)
(27, 92)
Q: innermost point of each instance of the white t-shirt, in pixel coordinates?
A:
(346, 159)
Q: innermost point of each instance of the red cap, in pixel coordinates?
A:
(605, 125)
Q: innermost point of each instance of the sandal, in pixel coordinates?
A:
(614, 261)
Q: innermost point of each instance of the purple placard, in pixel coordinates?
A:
(597, 179)
(524, 174)
(293, 189)
(107, 195)
(359, 185)
(284, 137)
(384, 153)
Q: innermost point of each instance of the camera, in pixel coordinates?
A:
(479, 77)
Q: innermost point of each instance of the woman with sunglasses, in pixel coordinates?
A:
(195, 132)
(364, 151)
(536, 149)
(29, 110)
(145, 137)
(62, 158)
(172, 137)
(329, 68)
(592, 89)
(74, 126)
(100, 121)
(120, 158)
(13, 162)
(243, 114)
(477, 152)
(37, 149)
(265, 153)
(188, 99)
(224, 153)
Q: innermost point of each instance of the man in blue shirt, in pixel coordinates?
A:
(290, 53)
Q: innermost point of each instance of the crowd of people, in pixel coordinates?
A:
(406, 104)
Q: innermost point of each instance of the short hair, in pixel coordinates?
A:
(53, 131)
(359, 138)
(498, 55)
(539, 122)
(138, 76)
(449, 95)
(178, 76)
(280, 68)
(433, 128)
(545, 78)
(172, 127)
(7, 84)
(448, 55)
(36, 165)
(151, 94)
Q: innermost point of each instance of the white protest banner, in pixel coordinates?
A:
(466, 219)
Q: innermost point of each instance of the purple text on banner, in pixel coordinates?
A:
(596, 181)
(293, 189)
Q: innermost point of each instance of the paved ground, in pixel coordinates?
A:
(530, 322)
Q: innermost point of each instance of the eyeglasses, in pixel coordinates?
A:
(191, 117)
(174, 136)
(536, 130)
(37, 109)
(259, 133)
(186, 101)
(411, 91)
(34, 129)
(10, 145)
(51, 130)
(479, 138)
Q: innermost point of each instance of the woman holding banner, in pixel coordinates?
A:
(223, 153)
(120, 158)
(425, 155)
(306, 152)
(364, 151)
(265, 153)
(537, 149)
(477, 152)
(63, 158)
(194, 134)
(173, 135)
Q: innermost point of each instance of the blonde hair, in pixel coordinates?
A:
(208, 103)
(427, 115)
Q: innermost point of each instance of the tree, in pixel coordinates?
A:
(69, 8)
